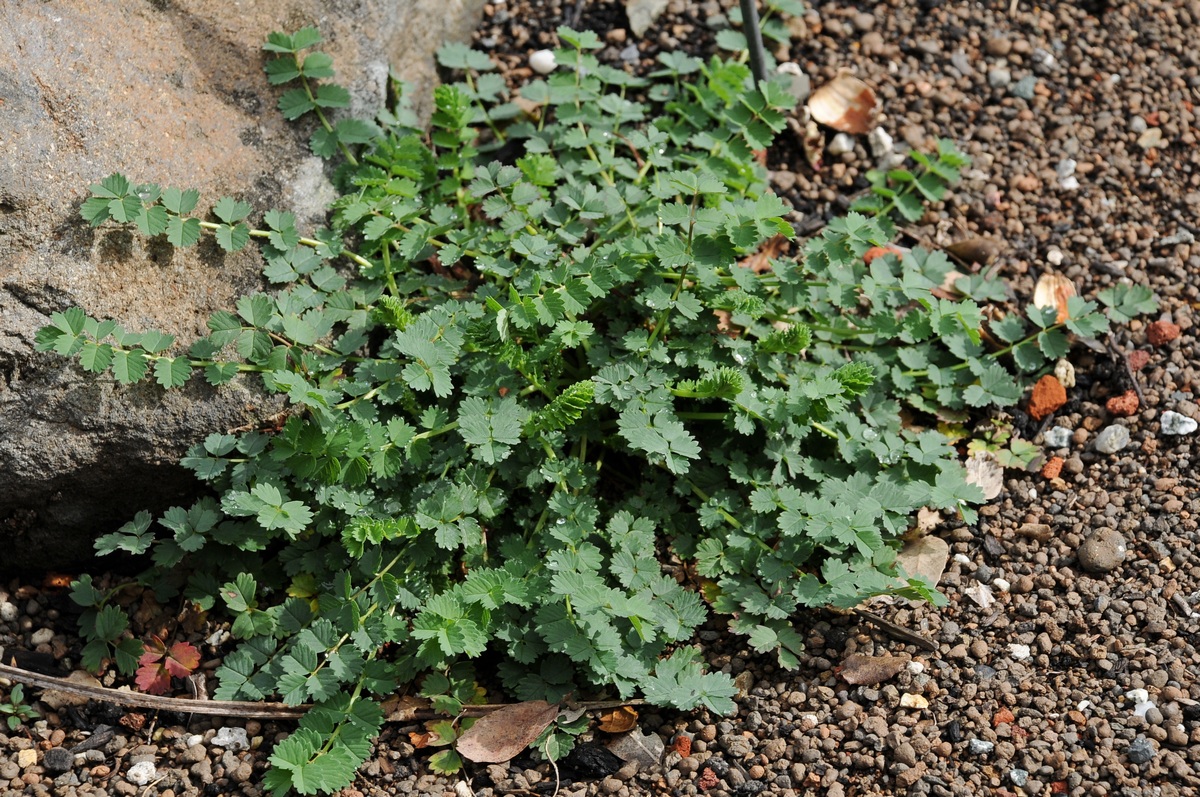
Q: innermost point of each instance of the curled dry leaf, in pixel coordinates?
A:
(504, 733)
(619, 720)
(844, 103)
(975, 250)
(646, 750)
(981, 594)
(1053, 290)
(858, 669)
(927, 520)
(760, 261)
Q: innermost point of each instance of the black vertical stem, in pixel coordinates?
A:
(750, 26)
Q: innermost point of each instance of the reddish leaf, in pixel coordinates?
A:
(183, 659)
(153, 679)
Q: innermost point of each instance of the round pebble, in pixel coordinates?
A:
(1111, 439)
(1104, 550)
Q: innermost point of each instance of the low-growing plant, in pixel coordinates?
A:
(15, 710)
(545, 401)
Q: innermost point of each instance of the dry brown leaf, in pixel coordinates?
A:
(646, 749)
(404, 708)
(844, 103)
(928, 519)
(924, 557)
(619, 720)
(858, 669)
(975, 250)
(504, 733)
(1053, 290)
(419, 740)
(760, 261)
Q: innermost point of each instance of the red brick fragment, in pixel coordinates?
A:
(1124, 405)
(1161, 333)
(1048, 396)
(682, 745)
(1052, 468)
(1001, 717)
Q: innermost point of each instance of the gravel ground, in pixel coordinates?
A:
(1076, 671)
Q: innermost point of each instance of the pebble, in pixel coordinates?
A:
(980, 747)
(1173, 423)
(1104, 550)
(543, 62)
(1018, 651)
(1141, 751)
(1112, 439)
(231, 739)
(26, 758)
(881, 142)
(1138, 125)
(999, 78)
(841, 144)
(799, 85)
(998, 46)
(1024, 87)
(1057, 437)
(141, 773)
(1018, 777)
(864, 22)
(630, 53)
(57, 759)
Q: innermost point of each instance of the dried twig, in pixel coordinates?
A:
(897, 631)
(237, 708)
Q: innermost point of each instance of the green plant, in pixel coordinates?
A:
(14, 707)
(541, 401)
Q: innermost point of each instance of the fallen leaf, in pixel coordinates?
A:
(1053, 290)
(404, 708)
(858, 669)
(986, 473)
(981, 594)
(845, 103)
(924, 557)
(618, 720)
(419, 740)
(504, 733)
(642, 14)
(975, 250)
(760, 261)
(928, 519)
(646, 750)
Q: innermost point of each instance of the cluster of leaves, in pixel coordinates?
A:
(772, 25)
(541, 371)
(158, 664)
(15, 710)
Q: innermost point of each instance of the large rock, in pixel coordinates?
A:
(166, 91)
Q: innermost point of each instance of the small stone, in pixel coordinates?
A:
(26, 758)
(881, 142)
(1053, 468)
(784, 180)
(1141, 751)
(1138, 125)
(616, 35)
(1112, 439)
(1065, 168)
(798, 85)
(864, 22)
(1173, 423)
(998, 46)
(8, 611)
(1124, 405)
(980, 747)
(1151, 138)
(1104, 550)
(141, 773)
(841, 144)
(58, 759)
(913, 700)
(999, 78)
(630, 53)
(1069, 183)
(231, 739)
(42, 636)
(1138, 359)
(1018, 651)
(1058, 437)
(543, 62)
(1154, 715)
(1018, 777)
(1048, 395)
(1162, 332)
(1024, 87)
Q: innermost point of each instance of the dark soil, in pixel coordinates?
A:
(1064, 663)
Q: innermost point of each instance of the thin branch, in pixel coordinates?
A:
(897, 631)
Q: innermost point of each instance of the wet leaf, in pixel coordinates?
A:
(925, 556)
(858, 669)
(504, 733)
(619, 720)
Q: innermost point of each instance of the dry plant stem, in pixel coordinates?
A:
(897, 631)
(235, 708)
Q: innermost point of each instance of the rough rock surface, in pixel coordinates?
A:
(167, 91)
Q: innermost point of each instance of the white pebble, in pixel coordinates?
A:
(1069, 183)
(799, 85)
(42, 636)
(193, 740)
(231, 739)
(8, 611)
(1084, 705)
(1142, 707)
(543, 62)
(1001, 584)
(1173, 423)
(881, 143)
(1058, 437)
(1018, 652)
(1137, 695)
(1054, 257)
(1064, 372)
(841, 144)
(962, 558)
(912, 700)
(916, 667)
(141, 773)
